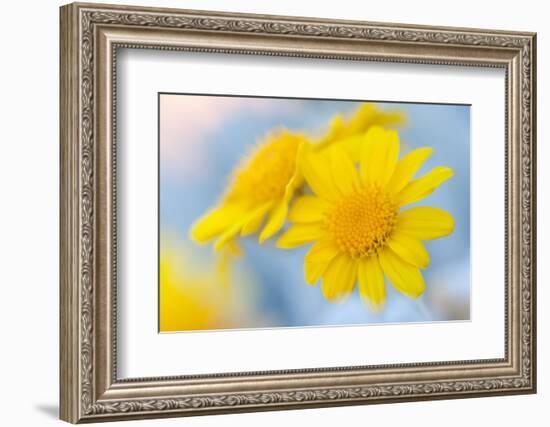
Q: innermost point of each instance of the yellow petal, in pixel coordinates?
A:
(352, 145)
(307, 209)
(297, 178)
(317, 260)
(424, 186)
(343, 170)
(300, 234)
(275, 222)
(216, 222)
(409, 249)
(370, 115)
(379, 155)
(425, 223)
(228, 235)
(339, 278)
(405, 277)
(407, 167)
(316, 171)
(367, 115)
(334, 131)
(371, 282)
(255, 220)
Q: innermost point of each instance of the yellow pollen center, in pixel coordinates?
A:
(362, 222)
(264, 175)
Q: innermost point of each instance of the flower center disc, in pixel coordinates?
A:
(264, 175)
(362, 222)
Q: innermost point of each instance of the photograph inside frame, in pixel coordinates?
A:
(291, 212)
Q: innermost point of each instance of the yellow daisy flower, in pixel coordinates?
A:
(261, 186)
(191, 297)
(185, 303)
(348, 132)
(355, 221)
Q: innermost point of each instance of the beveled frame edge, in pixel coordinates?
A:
(89, 389)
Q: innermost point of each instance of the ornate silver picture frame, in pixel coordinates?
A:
(91, 36)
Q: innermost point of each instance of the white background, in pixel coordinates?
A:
(29, 170)
(145, 353)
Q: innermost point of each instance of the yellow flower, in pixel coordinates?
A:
(261, 186)
(191, 297)
(355, 219)
(185, 303)
(348, 133)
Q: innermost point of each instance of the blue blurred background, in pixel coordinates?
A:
(202, 138)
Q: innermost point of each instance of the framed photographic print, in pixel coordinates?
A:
(265, 212)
